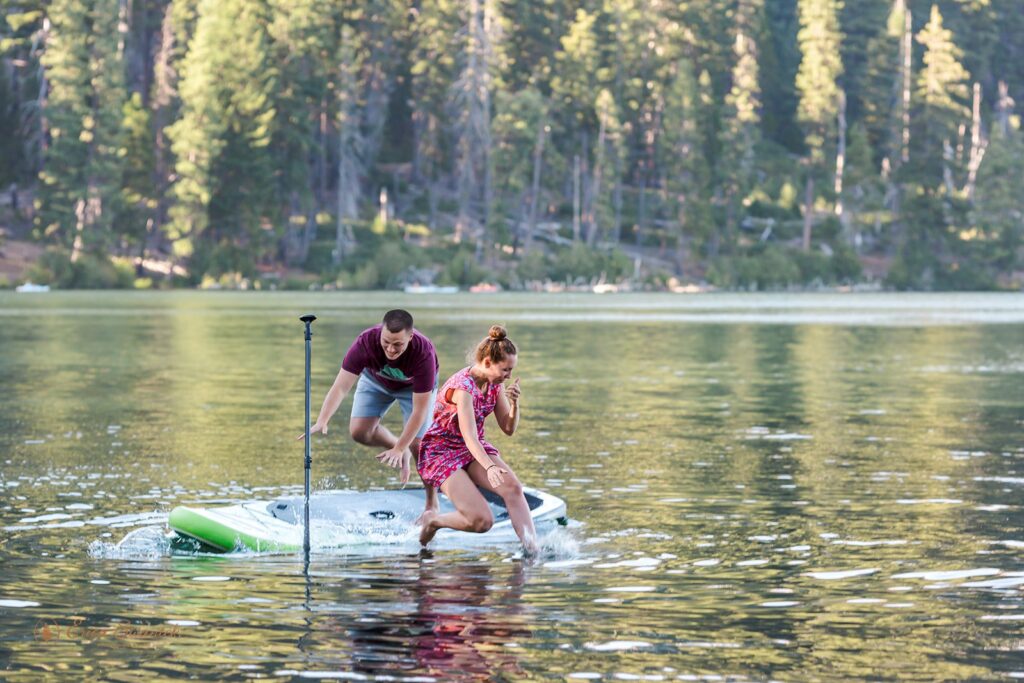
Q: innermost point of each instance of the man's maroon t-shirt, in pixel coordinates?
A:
(417, 366)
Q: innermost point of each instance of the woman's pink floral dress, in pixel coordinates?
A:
(443, 451)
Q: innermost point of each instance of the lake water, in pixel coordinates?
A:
(789, 487)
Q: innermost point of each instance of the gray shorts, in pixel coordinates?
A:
(373, 400)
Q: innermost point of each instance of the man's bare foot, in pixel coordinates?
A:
(428, 529)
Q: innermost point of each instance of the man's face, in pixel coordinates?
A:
(395, 343)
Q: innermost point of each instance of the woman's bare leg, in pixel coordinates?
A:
(471, 510)
(511, 491)
(431, 493)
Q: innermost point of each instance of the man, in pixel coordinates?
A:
(391, 362)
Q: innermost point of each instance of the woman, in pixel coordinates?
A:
(454, 455)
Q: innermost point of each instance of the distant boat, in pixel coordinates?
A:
(30, 288)
(430, 289)
(484, 288)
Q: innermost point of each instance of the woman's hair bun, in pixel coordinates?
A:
(497, 333)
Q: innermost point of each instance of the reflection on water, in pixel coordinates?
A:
(796, 487)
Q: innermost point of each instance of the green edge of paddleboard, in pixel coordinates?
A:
(195, 525)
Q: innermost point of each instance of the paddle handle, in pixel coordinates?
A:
(308, 462)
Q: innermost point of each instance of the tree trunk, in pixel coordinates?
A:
(641, 212)
(595, 186)
(907, 53)
(617, 199)
(808, 210)
(576, 198)
(538, 159)
(978, 144)
(841, 164)
(1004, 108)
(163, 87)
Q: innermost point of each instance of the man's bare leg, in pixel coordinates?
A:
(368, 431)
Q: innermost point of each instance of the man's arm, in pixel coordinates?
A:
(420, 410)
(343, 384)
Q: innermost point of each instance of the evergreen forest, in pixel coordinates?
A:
(362, 144)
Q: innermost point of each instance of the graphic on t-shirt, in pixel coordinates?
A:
(393, 373)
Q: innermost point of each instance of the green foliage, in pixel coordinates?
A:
(942, 83)
(89, 271)
(998, 226)
(11, 152)
(770, 266)
(462, 270)
(138, 189)
(381, 265)
(220, 131)
(224, 258)
(80, 182)
(820, 68)
(222, 139)
(586, 263)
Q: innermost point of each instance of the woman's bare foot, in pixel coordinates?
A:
(429, 511)
(428, 529)
(530, 546)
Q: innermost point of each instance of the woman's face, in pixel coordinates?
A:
(496, 373)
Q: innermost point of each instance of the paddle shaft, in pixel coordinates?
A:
(308, 320)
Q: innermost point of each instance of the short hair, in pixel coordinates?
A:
(398, 320)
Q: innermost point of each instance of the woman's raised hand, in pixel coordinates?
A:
(513, 391)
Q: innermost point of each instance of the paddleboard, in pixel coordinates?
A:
(276, 525)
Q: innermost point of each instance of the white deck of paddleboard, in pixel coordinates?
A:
(355, 512)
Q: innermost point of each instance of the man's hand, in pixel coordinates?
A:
(318, 427)
(393, 457)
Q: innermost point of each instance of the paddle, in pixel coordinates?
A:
(308, 320)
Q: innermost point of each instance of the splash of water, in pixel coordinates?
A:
(144, 543)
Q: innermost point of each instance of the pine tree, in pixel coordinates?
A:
(433, 70)
(23, 33)
(685, 165)
(941, 97)
(576, 73)
(12, 160)
(531, 41)
(221, 142)
(304, 35)
(779, 59)
(862, 23)
(139, 192)
(741, 127)
(880, 88)
(999, 211)
(82, 169)
(817, 82)
(519, 121)
(471, 101)
(351, 144)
